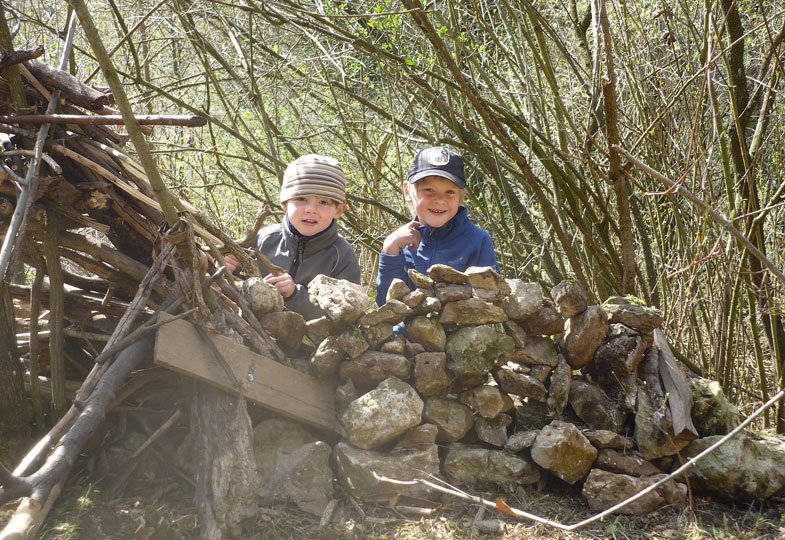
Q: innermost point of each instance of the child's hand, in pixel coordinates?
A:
(231, 262)
(283, 282)
(402, 237)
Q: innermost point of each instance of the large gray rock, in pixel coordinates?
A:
(629, 463)
(431, 376)
(382, 414)
(393, 312)
(593, 406)
(476, 350)
(376, 335)
(654, 429)
(288, 327)
(475, 465)
(355, 467)
(452, 292)
(562, 449)
(342, 301)
(318, 329)
(570, 298)
(532, 414)
(427, 332)
(453, 419)
(521, 440)
(583, 334)
(326, 358)
(418, 437)
(643, 318)
(493, 430)
(471, 311)
(293, 465)
(746, 468)
(486, 400)
(262, 298)
(373, 367)
(524, 301)
(615, 364)
(712, 413)
(546, 321)
(604, 489)
(397, 290)
(538, 350)
(520, 384)
(602, 438)
(351, 342)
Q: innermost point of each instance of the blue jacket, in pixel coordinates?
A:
(459, 244)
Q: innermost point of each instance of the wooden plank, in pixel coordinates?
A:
(266, 382)
(678, 388)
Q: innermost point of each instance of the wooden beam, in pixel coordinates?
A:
(264, 381)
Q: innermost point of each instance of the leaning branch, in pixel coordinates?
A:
(106, 119)
(675, 187)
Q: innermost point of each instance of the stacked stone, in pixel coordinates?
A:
(493, 383)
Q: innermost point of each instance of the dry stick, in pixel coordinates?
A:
(521, 514)
(107, 119)
(16, 228)
(158, 432)
(132, 126)
(92, 378)
(722, 220)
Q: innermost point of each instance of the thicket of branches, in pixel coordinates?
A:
(576, 119)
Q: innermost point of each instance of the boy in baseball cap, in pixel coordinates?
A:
(313, 196)
(441, 231)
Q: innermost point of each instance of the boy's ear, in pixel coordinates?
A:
(340, 209)
(406, 186)
(283, 205)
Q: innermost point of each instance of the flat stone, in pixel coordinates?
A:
(643, 318)
(562, 449)
(604, 489)
(485, 277)
(372, 367)
(476, 350)
(471, 311)
(318, 329)
(521, 440)
(583, 335)
(342, 301)
(414, 298)
(393, 312)
(493, 431)
(397, 290)
(485, 399)
(420, 280)
(288, 327)
(447, 274)
(261, 297)
(478, 466)
(452, 292)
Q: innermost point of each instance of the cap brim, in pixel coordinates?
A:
(460, 182)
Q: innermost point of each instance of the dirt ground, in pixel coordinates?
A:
(159, 505)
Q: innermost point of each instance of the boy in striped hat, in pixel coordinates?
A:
(313, 196)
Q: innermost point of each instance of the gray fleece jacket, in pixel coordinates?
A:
(305, 257)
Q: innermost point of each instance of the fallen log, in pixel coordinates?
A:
(72, 88)
(106, 120)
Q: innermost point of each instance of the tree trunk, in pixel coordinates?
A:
(227, 478)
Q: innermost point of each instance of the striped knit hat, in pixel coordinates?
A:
(316, 175)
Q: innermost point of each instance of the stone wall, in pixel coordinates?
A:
(489, 382)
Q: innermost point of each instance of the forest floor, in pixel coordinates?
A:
(161, 507)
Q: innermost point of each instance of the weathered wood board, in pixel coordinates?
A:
(272, 385)
(678, 388)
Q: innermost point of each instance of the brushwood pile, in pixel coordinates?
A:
(489, 383)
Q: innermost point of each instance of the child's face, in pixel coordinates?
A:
(311, 215)
(434, 199)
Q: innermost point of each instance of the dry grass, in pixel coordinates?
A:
(162, 509)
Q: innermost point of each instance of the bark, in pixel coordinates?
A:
(227, 478)
(15, 415)
(72, 88)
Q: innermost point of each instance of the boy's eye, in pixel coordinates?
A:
(324, 202)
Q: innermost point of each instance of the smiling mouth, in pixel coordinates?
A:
(434, 211)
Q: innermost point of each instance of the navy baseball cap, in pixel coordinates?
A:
(437, 161)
